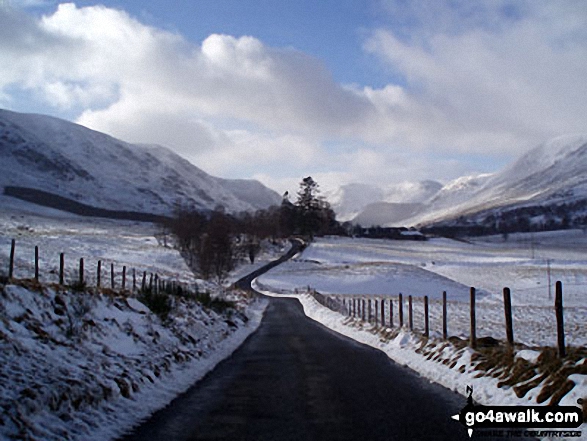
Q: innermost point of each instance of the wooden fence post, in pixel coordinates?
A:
(363, 309)
(61, 268)
(81, 271)
(391, 313)
(376, 309)
(509, 328)
(11, 263)
(426, 319)
(36, 263)
(410, 314)
(382, 312)
(444, 317)
(473, 341)
(401, 310)
(560, 326)
(151, 282)
(156, 283)
(134, 280)
(144, 282)
(124, 277)
(112, 275)
(99, 274)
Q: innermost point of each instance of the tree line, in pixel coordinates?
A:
(214, 242)
(533, 218)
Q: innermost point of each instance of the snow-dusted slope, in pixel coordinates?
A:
(550, 174)
(553, 172)
(386, 213)
(348, 200)
(359, 202)
(72, 161)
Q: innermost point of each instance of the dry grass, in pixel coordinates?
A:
(550, 372)
(496, 359)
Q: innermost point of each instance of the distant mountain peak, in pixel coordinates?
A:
(553, 172)
(359, 201)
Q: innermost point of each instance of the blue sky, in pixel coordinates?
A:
(372, 91)
(331, 30)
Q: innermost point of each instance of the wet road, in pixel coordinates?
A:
(294, 379)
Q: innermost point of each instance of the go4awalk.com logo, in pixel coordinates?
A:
(474, 416)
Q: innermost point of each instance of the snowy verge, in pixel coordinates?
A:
(441, 362)
(179, 380)
(90, 365)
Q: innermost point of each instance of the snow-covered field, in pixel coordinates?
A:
(88, 365)
(522, 263)
(124, 243)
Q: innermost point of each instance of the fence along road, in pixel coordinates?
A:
(294, 379)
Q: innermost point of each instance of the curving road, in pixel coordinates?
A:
(294, 379)
(297, 245)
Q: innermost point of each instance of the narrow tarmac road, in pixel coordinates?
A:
(296, 380)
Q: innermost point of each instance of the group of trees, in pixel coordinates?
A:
(532, 218)
(213, 242)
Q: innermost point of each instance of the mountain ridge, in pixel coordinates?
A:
(74, 162)
(553, 173)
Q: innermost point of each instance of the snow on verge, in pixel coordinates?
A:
(90, 365)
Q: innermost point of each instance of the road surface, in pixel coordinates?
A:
(294, 379)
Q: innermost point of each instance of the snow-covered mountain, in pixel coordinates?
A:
(550, 174)
(386, 213)
(370, 204)
(71, 161)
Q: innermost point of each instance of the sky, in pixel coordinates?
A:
(347, 91)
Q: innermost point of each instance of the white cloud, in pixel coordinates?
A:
(147, 85)
(492, 79)
(84, 56)
(249, 151)
(496, 75)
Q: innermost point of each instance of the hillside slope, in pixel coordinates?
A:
(551, 174)
(360, 203)
(74, 162)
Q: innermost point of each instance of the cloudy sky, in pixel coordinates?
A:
(372, 91)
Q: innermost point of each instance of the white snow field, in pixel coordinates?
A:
(82, 366)
(383, 268)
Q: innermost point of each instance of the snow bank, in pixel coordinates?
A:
(88, 366)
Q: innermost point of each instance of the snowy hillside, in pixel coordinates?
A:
(552, 172)
(89, 364)
(355, 201)
(386, 213)
(552, 177)
(71, 161)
